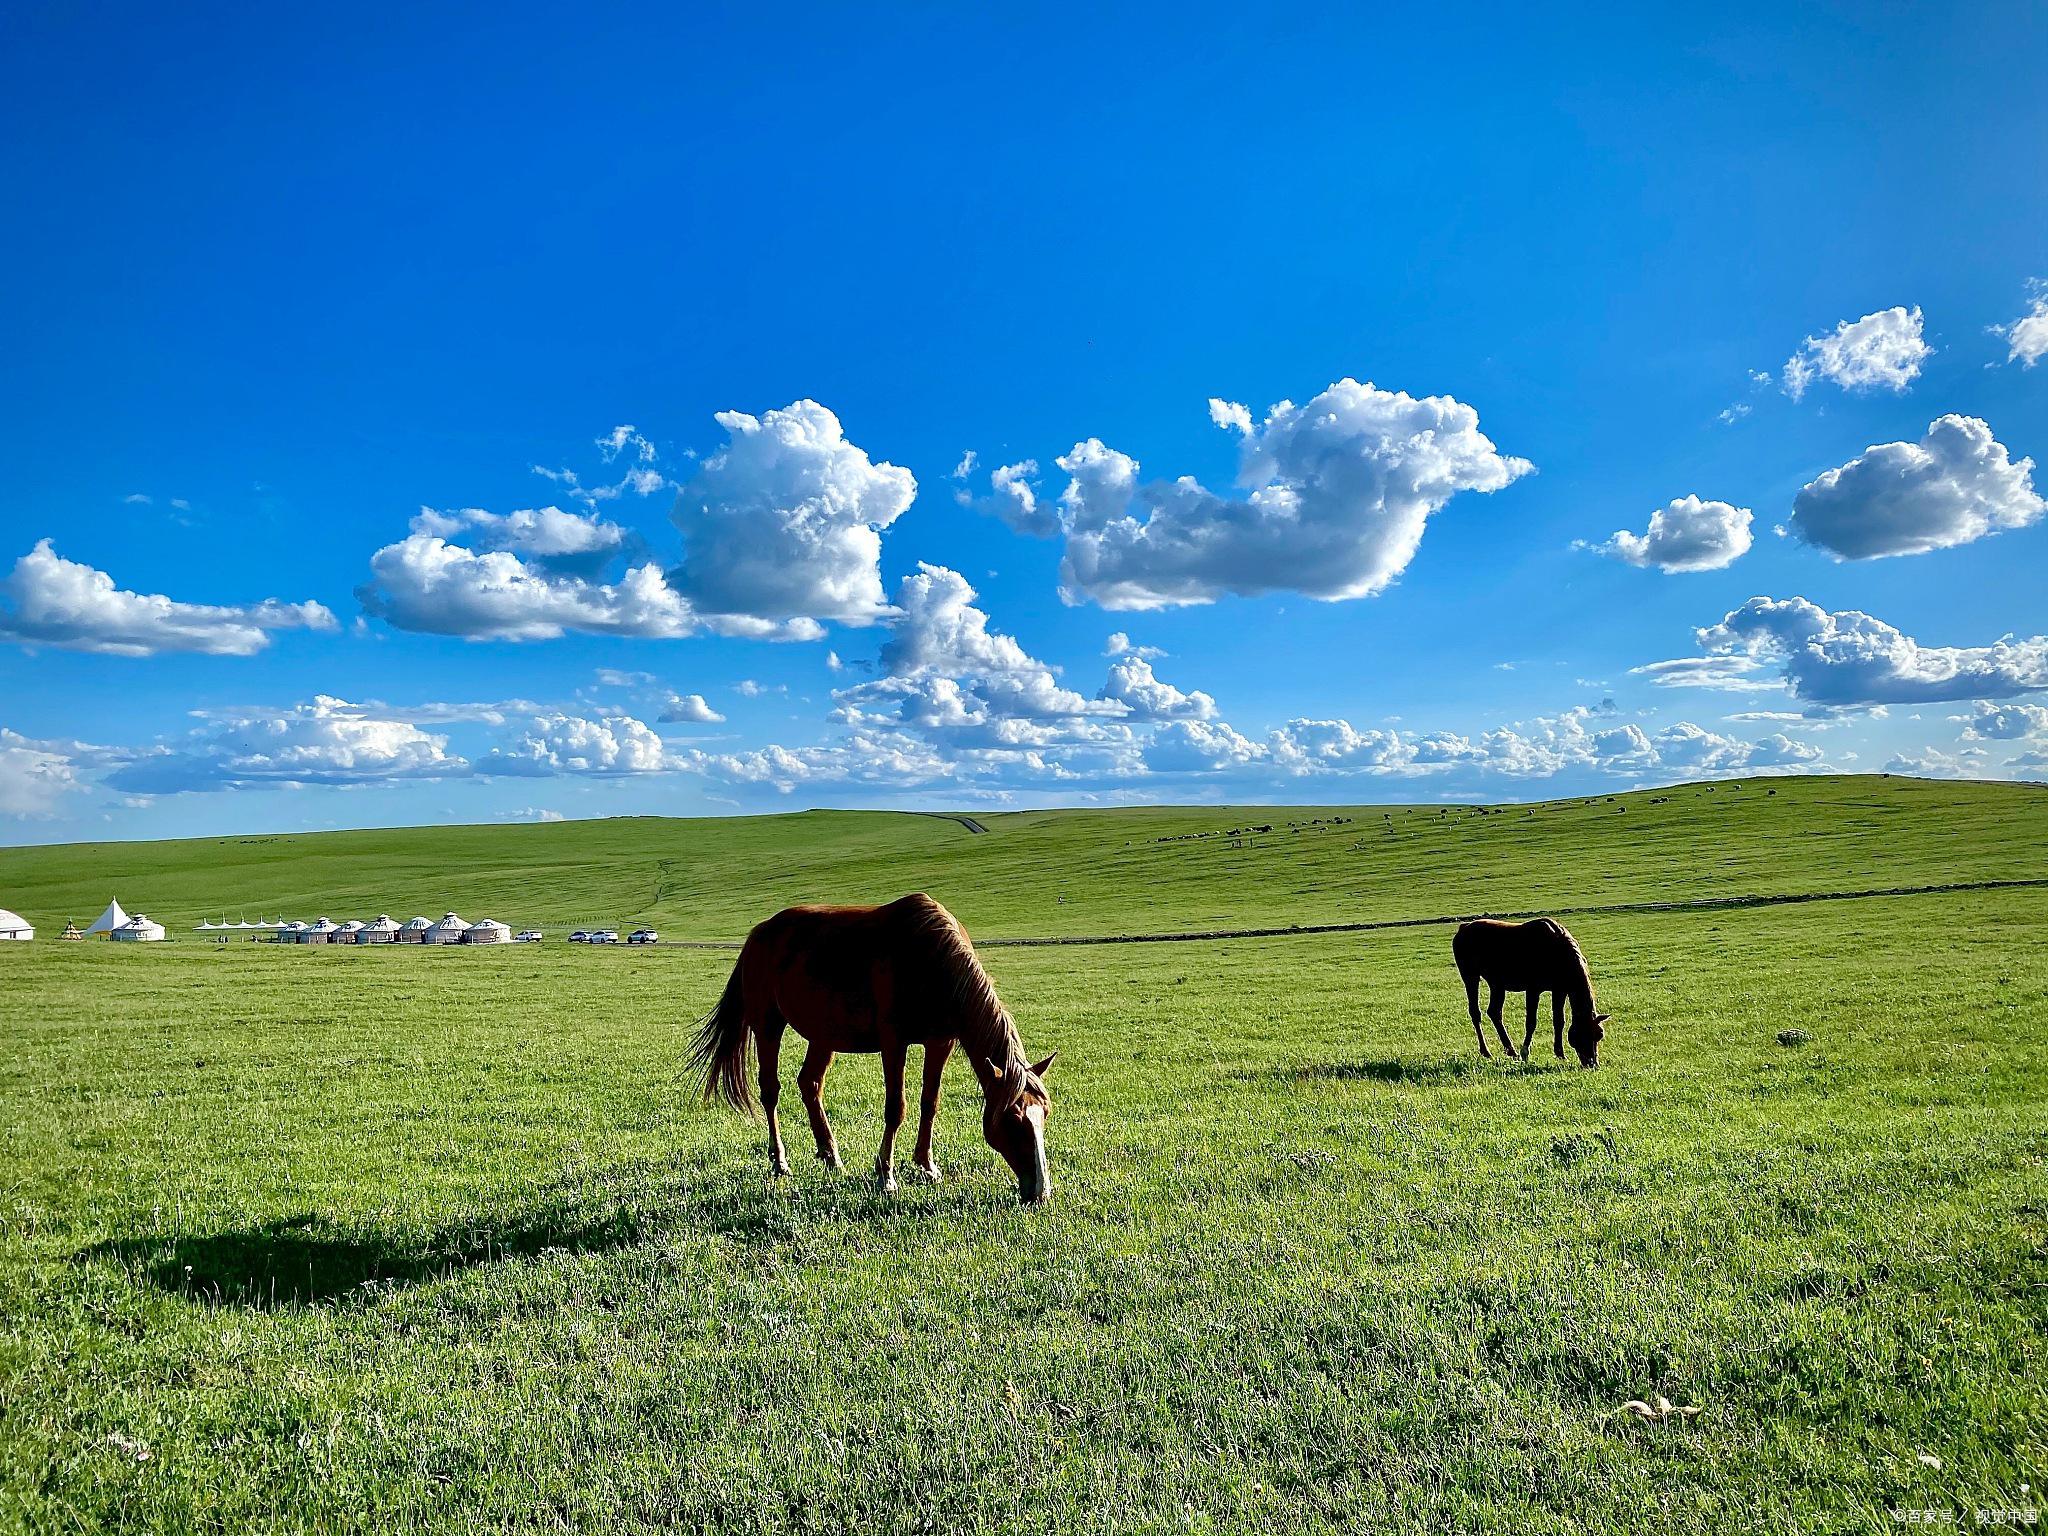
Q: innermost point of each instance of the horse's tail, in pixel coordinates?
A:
(720, 1050)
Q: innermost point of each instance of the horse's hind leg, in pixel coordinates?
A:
(1530, 1033)
(935, 1054)
(810, 1082)
(1557, 1024)
(767, 1048)
(893, 1054)
(1494, 998)
(1472, 1002)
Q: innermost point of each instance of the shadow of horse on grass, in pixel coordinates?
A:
(316, 1260)
(1389, 1069)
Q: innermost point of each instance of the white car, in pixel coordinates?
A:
(603, 936)
(643, 936)
(530, 936)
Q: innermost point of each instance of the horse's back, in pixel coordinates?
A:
(1516, 956)
(860, 964)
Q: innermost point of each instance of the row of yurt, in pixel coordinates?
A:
(450, 929)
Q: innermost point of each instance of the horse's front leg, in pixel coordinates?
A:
(935, 1054)
(1472, 1002)
(768, 1047)
(810, 1082)
(893, 1054)
(1530, 1033)
(1495, 996)
(1557, 1024)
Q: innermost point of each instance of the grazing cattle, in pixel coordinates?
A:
(878, 979)
(1533, 957)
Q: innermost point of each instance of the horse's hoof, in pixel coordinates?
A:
(889, 1185)
(931, 1171)
(779, 1170)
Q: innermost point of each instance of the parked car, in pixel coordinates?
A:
(604, 936)
(527, 936)
(643, 936)
(579, 937)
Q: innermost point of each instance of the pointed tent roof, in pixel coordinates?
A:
(109, 920)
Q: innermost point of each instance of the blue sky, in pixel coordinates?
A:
(298, 317)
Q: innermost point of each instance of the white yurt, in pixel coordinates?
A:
(346, 933)
(382, 931)
(108, 920)
(414, 930)
(447, 931)
(320, 931)
(138, 930)
(487, 932)
(15, 927)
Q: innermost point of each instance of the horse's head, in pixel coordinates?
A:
(1586, 1035)
(1013, 1119)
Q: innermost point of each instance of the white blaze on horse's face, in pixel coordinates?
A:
(1013, 1122)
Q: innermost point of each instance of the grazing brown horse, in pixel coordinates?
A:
(1534, 957)
(875, 979)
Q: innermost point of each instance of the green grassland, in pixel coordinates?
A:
(397, 1239)
(1080, 872)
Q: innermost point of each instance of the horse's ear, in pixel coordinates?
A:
(1602, 1018)
(1040, 1068)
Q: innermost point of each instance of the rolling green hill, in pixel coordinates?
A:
(1053, 873)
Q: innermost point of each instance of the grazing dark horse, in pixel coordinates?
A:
(1534, 957)
(875, 979)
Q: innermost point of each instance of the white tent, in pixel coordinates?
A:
(13, 926)
(487, 932)
(414, 931)
(109, 920)
(447, 931)
(138, 930)
(382, 931)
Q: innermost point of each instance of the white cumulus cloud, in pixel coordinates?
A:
(783, 524)
(688, 709)
(2027, 337)
(1333, 496)
(48, 600)
(563, 743)
(1881, 351)
(561, 543)
(328, 741)
(2005, 722)
(1851, 658)
(1133, 684)
(1687, 535)
(1956, 485)
(425, 584)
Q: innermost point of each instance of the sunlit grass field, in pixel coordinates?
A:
(397, 1239)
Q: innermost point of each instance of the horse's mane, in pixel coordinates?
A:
(1582, 980)
(987, 1032)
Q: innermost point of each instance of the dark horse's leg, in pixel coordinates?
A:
(893, 1054)
(810, 1082)
(1557, 1024)
(1530, 1033)
(767, 1047)
(1472, 1002)
(935, 1054)
(1494, 998)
